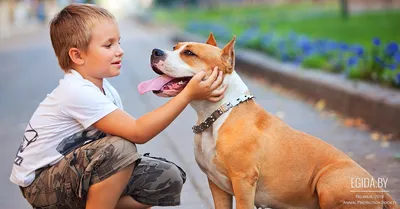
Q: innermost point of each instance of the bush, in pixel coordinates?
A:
(315, 62)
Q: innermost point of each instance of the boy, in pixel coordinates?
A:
(79, 147)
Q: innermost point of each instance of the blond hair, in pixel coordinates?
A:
(71, 28)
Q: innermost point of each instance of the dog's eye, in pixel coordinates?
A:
(174, 48)
(188, 52)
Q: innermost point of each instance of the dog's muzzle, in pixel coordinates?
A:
(157, 55)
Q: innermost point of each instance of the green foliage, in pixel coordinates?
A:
(314, 62)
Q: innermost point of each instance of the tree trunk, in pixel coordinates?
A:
(344, 7)
(208, 4)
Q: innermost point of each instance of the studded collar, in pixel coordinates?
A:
(217, 113)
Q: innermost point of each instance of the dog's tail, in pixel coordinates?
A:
(388, 202)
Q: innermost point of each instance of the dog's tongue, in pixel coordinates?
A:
(154, 84)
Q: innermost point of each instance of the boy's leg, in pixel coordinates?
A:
(66, 184)
(106, 194)
(156, 182)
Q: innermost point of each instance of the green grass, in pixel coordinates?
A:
(183, 16)
(359, 28)
(316, 22)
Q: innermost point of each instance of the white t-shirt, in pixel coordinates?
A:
(61, 123)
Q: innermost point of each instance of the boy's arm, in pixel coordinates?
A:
(120, 123)
(140, 131)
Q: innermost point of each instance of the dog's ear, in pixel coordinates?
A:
(228, 55)
(211, 40)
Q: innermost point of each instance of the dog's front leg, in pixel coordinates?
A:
(222, 199)
(244, 190)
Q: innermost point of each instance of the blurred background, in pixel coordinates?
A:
(354, 40)
(19, 14)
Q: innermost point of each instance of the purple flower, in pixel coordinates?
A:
(352, 61)
(397, 57)
(321, 42)
(306, 47)
(359, 50)
(332, 45)
(392, 66)
(344, 46)
(376, 41)
(392, 48)
(281, 46)
(303, 40)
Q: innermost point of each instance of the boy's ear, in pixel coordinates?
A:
(75, 56)
(211, 40)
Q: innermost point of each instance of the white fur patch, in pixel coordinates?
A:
(175, 66)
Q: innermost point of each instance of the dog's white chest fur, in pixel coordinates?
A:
(205, 153)
(205, 143)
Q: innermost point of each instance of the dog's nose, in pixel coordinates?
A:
(157, 52)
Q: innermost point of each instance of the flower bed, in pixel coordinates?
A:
(378, 62)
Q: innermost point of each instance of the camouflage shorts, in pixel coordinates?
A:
(154, 181)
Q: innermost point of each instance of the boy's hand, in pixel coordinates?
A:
(199, 89)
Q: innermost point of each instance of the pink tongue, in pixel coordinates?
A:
(154, 84)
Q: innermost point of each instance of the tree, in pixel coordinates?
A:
(344, 8)
(209, 4)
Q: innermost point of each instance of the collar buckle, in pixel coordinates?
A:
(225, 107)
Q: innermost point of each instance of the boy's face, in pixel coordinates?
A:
(104, 55)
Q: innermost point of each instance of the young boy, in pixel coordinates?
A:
(79, 147)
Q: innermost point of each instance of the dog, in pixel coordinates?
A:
(251, 154)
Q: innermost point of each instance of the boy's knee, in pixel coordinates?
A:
(104, 158)
(170, 180)
(116, 154)
(169, 188)
(156, 181)
(175, 178)
(120, 148)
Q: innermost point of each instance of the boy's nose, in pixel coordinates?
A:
(157, 52)
(120, 52)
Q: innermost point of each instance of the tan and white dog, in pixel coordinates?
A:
(249, 153)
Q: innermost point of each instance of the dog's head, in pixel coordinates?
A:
(178, 66)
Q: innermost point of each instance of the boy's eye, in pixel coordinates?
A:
(108, 45)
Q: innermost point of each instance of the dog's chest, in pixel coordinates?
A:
(205, 154)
